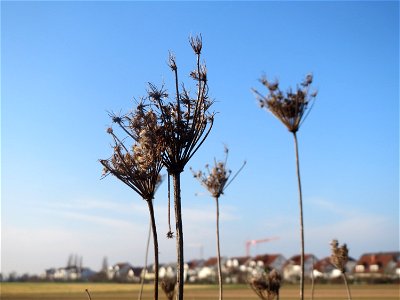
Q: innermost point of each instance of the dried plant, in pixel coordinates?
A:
(266, 286)
(168, 286)
(216, 181)
(186, 122)
(139, 164)
(291, 108)
(339, 258)
(143, 273)
(88, 294)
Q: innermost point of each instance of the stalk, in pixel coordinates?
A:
(155, 242)
(301, 217)
(176, 177)
(347, 286)
(218, 252)
(145, 263)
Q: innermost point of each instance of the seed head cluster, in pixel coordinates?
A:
(214, 180)
(289, 107)
(185, 120)
(139, 164)
(339, 255)
(168, 285)
(266, 286)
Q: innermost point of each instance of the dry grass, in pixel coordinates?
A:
(67, 291)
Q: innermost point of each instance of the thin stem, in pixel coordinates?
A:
(87, 292)
(301, 217)
(169, 204)
(179, 234)
(145, 263)
(218, 251)
(347, 286)
(155, 242)
(312, 280)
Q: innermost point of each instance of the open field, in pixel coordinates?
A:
(76, 291)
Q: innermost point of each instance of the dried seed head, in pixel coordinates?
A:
(109, 130)
(290, 107)
(156, 93)
(308, 80)
(339, 255)
(266, 286)
(168, 286)
(139, 164)
(172, 62)
(217, 179)
(196, 43)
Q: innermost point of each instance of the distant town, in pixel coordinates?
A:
(379, 267)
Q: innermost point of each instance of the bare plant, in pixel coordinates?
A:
(143, 273)
(216, 181)
(138, 165)
(88, 294)
(168, 285)
(186, 122)
(291, 108)
(266, 286)
(339, 258)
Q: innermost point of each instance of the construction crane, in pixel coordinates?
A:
(255, 242)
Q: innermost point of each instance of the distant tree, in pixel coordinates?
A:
(70, 261)
(104, 266)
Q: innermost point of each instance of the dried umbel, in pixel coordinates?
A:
(266, 286)
(185, 122)
(185, 119)
(216, 180)
(138, 165)
(339, 258)
(168, 285)
(289, 107)
(339, 255)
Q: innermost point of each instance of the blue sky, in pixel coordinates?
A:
(65, 64)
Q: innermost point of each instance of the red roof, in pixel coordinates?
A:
(267, 259)
(212, 261)
(295, 260)
(382, 259)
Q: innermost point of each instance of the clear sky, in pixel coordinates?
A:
(65, 64)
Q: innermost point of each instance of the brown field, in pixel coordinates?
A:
(76, 291)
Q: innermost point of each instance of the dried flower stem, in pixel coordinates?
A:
(218, 250)
(185, 123)
(301, 215)
(139, 165)
(339, 258)
(155, 242)
(143, 274)
(312, 280)
(87, 292)
(179, 233)
(291, 108)
(216, 181)
(347, 286)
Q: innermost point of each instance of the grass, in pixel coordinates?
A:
(76, 291)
